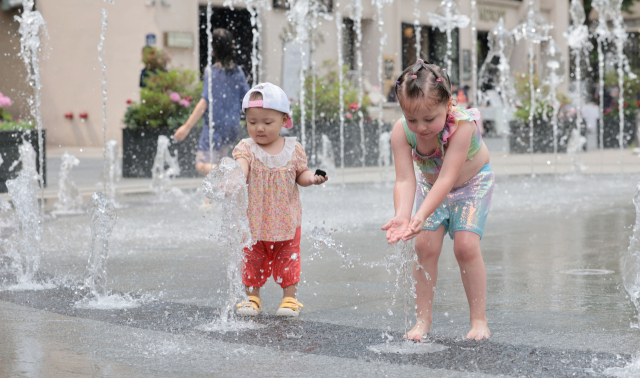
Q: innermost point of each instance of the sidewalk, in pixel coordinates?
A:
(87, 174)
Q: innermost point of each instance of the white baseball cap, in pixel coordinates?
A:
(273, 97)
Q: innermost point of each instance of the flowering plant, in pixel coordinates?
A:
(166, 101)
(327, 99)
(6, 120)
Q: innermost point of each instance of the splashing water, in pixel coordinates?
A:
(69, 198)
(402, 258)
(27, 159)
(417, 27)
(621, 36)
(631, 268)
(603, 36)
(327, 161)
(226, 185)
(534, 29)
(339, 22)
(31, 24)
(114, 170)
(632, 370)
(161, 176)
(321, 239)
(104, 92)
(578, 40)
(102, 215)
(553, 73)
(447, 18)
(24, 247)
(501, 43)
(356, 16)
(384, 156)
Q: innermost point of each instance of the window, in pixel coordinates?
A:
(433, 47)
(348, 43)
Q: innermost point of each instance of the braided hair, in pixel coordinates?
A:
(425, 82)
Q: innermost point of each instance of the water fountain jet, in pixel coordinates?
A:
(69, 198)
(165, 166)
(447, 18)
(534, 29)
(226, 184)
(31, 24)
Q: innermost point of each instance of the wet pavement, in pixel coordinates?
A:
(544, 322)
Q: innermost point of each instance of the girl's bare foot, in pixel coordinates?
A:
(420, 330)
(479, 330)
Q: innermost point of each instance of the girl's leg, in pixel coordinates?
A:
(428, 247)
(252, 291)
(466, 246)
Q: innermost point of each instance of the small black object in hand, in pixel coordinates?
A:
(320, 172)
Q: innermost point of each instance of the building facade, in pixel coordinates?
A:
(71, 73)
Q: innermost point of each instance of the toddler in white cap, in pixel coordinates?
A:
(274, 167)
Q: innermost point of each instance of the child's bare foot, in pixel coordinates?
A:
(419, 331)
(479, 330)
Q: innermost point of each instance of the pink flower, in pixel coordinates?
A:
(354, 107)
(184, 102)
(129, 101)
(175, 97)
(349, 115)
(5, 101)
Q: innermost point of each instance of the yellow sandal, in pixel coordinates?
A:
(289, 307)
(252, 307)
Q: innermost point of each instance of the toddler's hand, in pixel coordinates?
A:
(414, 228)
(318, 180)
(181, 133)
(396, 228)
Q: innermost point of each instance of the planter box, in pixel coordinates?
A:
(9, 144)
(139, 150)
(612, 129)
(542, 136)
(352, 145)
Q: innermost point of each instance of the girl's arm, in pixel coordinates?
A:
(455, 157)
(307, 178)
(244, 164)
(184, 130)
(405, 188)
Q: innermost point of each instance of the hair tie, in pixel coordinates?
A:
(438, 79)
(420, 60)
(414, 76)
(397, 82)
(444, 69)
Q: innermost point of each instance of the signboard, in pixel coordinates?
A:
(178, 39)
(151, 39)
(491, 14)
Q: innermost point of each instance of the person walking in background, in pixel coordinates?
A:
(228, 86)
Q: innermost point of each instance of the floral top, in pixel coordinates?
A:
(275, 211)
(433, 163)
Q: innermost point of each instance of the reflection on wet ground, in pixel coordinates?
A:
(544, 322)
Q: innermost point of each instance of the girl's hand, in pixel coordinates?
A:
(181, 133)
(318, 180)
(396, 228)
(414, 227)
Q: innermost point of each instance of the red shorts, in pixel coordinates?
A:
(280, 258)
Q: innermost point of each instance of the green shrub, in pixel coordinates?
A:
(328, 99)
(167, 101)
